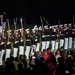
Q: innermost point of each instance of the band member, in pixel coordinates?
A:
(1, 19)
(57, 37)
(66, 37)
(15, 44)
(70, 35)
(0, 48)
(53, 38)
(2, 42)
(37, 38)
(33, 42)
(21, 42)
(8, 45)
(73, 33)
(3, 47)
(47, 35)
(43, 39)
(61, 29)
(28, 43)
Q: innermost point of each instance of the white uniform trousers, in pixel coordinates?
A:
(53, 45)
(33, 50)
(66, 43)
(56, 45)
(21, 50)
(15, 51)
(70, 42)
(61, 43)
(47, 44)
(43, 45)
(74, 43)
(27, 52)
(1, 56)
(8, 52)
(37, 47)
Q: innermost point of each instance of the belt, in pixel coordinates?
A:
(35, 39)
(47, 35)
(43, 36)
(28, 40)
(8, 43)
(61, 34)
(52, 35)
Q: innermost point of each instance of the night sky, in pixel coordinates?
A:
(31, 10)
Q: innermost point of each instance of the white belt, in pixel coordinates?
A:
(28, 40)
(61, 34)
(66, 32)
(35, 39)
(52, 35)
(47, 35)
(43, 36)
(8, 43)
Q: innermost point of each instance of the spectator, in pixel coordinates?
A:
(61, 67)
(45, 54)
(57, 55)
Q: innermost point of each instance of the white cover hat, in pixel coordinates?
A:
(33, 29)
(39, 27)
(46, 26)
(69, 24)
(35, 26)
(27, 29)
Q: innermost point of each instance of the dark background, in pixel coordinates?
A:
(30, 10)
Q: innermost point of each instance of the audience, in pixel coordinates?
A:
(46, 63)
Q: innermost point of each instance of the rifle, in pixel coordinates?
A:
(46, 21)
(8, 30)
(15, 24)
(1, 17)
(2, 23)
(42, 25)
(58, 31)
(15, 32)
(21, 28)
